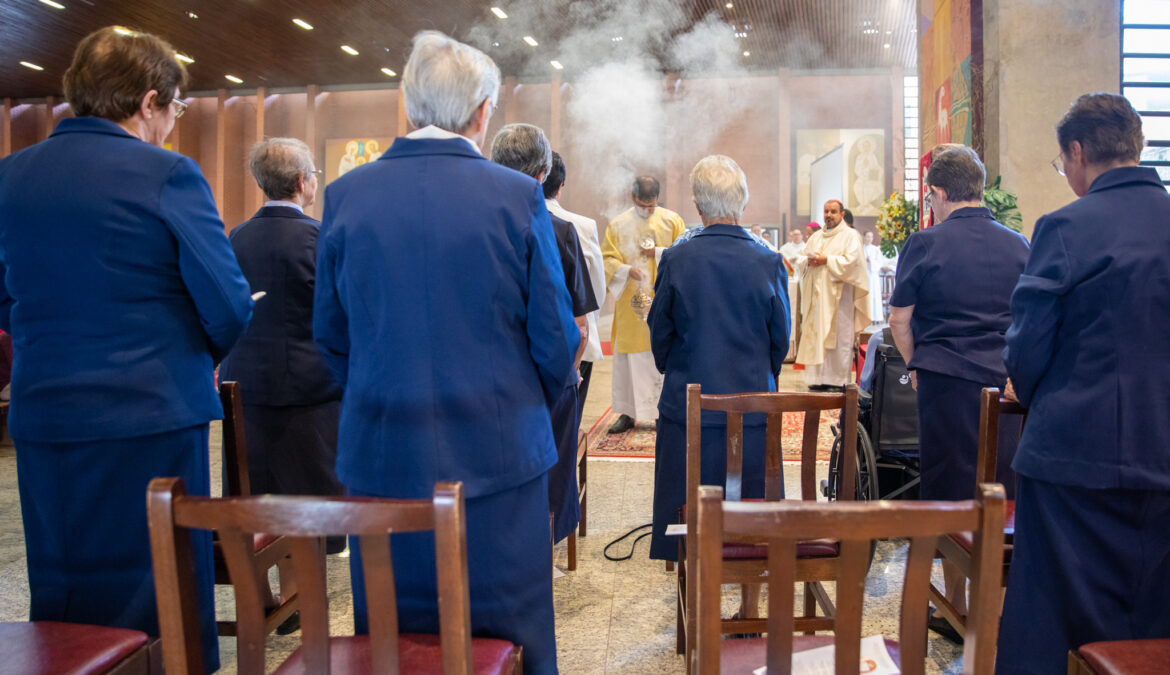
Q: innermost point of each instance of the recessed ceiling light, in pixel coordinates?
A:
(747, 53)
(349, 50)
(54, 5)
(233, 78)
(192, 15)
(729, 5)
(557, 65)
(184, 58)
(530, 40)
(499, 12)
(616, 39)
(34, 66)
(122, 30)
(303, 24)
(886, 45)
(389, 73)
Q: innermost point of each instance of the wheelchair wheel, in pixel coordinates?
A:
(866, 485)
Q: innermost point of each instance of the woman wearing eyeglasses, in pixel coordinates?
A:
(121, 292)
(948, 314)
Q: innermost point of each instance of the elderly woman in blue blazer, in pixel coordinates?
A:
(121, 292)
(720, 318)
(1088, 356)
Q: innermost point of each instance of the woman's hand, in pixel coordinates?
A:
(1009, 392)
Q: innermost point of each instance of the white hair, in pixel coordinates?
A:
(522, 147)
(719, 187)
(446, 81)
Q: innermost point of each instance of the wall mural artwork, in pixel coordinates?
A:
(951, 53)
(962, 115)
(345, 154)
(864, 167)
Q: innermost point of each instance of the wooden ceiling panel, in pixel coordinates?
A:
(256, 40)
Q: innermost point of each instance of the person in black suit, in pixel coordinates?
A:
(291, 401)
(525, 148)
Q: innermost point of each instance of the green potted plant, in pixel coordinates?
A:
(1003, 206)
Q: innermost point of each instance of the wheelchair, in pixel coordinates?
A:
(887, 434)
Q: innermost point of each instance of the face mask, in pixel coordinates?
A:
(644, 211)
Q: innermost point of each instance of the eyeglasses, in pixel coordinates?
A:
(926, 199)
(1058, 164)
(180, 107)
(318, 172)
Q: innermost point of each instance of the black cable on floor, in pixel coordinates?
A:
(632, 546)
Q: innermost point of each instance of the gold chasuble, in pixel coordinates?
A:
(821, 287)
(622, 250)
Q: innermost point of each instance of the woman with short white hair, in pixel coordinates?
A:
(720, 318)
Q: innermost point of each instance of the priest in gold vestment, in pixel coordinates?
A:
(834, 305)
(634, 242)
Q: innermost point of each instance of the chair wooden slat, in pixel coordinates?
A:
(768, 402)
(986, 581)
(781, 613)
(381, 599)
(454, 600)
(774, 457)
(850, 600)
(808, 455)
(309, 566)
(734, 456)
(235, 457)
(708, 578)
(250, 584)
(297, 516)
(174, 583)
(912, 628)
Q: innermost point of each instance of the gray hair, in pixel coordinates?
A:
(446, 81)
(522, 147)
(278, 163)
(959, 172)
(719, 187)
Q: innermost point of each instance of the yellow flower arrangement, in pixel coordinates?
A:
(897, 220)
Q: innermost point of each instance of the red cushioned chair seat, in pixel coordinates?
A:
(967, 539)
(54, 648)
(744, 656)
(813, 548)
(261, 541)
(1128, 657)
(417, 654)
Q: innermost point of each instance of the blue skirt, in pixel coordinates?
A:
(84, 510)
(948, 438)
(509, 563)
(564, 500)
(670, 474)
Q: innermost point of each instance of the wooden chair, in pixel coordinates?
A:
(304, 521)
(56, 648)
(1122, 657)
(958, 547)
(582, 477)
(782, 525)
(746, 565)
(269, 551)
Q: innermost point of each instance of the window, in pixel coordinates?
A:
(910, 132)
(1145, 76)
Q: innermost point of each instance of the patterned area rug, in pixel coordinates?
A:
(639, 441)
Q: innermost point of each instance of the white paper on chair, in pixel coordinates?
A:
(676, 530)
(875, 660)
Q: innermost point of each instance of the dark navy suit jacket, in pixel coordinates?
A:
(119, 287)
(959, 276)
(720, 318)
(442, 308)
(276, 361)
(1088, 350)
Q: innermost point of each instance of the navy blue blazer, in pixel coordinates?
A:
(441, 307)
(1088, 350)
(276, 361)
(573, 264)
(959, 277)
(119, 287)
(720, 318)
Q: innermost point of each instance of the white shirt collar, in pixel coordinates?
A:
(434, 132)
(281, 202)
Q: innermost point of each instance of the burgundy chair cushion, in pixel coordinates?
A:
(417, 653)
(967, 539)
(54, 648)
(744, 656)
(262, 541)
(814, 548)
(1127, 657)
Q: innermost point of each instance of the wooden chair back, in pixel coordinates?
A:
(304, 521)
(992, 406)
(781, 525)
(236, 482)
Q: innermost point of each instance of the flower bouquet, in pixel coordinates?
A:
(897, 220)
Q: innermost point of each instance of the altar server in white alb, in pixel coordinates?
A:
(633, 244)
(833, 303)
